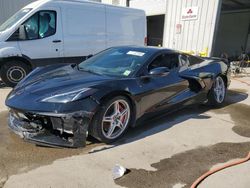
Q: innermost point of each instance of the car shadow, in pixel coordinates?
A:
(166, 121)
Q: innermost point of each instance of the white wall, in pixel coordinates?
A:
(196, 35)
(151, 7)
(115, 2)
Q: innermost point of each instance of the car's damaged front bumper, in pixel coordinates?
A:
(51, 129)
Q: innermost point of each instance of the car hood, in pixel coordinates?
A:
(55, 79)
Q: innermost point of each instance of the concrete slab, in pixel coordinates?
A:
(237, 176)
(171, 151)
(3, 93)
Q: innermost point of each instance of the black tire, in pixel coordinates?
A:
(213, 97)
(96, 127)
(13, 72)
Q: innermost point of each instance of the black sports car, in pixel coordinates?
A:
(60, 105)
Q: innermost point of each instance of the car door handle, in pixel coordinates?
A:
(56, 41)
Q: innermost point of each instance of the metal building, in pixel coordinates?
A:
(204, 27)
(190, 25)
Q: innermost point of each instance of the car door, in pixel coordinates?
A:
(159, 90)
(43, 37)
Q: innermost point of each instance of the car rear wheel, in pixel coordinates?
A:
(112, 120)
(217, 93)
(13, 72)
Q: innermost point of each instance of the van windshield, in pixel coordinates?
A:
(15, 18)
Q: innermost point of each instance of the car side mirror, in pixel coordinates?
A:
(159, 71)
(22, 32)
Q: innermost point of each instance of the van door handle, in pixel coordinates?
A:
(56, 41)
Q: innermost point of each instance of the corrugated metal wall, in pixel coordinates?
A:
(195, 35)
(9, 7)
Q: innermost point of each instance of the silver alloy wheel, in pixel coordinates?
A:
(219, 89)
(15, 74)
(116, 119)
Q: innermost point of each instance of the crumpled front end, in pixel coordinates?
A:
(51, 129)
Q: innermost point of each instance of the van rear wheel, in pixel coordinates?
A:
(13, 72)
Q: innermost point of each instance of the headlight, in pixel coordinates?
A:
(65, 97)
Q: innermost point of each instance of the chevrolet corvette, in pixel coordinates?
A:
(60, 105)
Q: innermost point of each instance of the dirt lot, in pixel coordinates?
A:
(170, 151)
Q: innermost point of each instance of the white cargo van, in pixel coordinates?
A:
(64, 31)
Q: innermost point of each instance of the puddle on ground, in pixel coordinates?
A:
(17, 156)
(184, 167)
(239, 112)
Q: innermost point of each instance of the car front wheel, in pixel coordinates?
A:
(112, 120)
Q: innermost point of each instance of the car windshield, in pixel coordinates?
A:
(15, 18)
(119, 62)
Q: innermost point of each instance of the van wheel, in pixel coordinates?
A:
(13, 72)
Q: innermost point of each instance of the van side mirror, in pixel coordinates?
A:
(22, 32)
(159, 71)
(19, 34)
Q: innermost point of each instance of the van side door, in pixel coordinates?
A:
(42, 41)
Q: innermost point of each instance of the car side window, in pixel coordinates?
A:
(170, 61)
(40, 25)
(184, 61)
(194, 60)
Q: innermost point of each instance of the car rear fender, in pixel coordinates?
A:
(202, 77)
